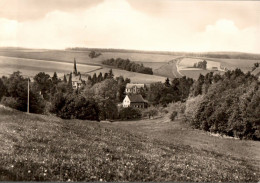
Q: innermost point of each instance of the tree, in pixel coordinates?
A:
(69, 85)
(2, 89)
(100, 77)
(64, 79)
(17, 92)
(167, 82)
(110, 74)
(55, 78)
(93, 54)
(94, 78)
(43, 84)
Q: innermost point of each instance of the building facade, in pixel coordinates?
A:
(134, 100)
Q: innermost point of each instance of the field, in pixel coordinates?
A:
(82, 56)
(168, 70)
(30, 67)
(134, 76)
(243, 64)
(46, 148)
(162, 64)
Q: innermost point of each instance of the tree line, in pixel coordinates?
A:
(126, 64)
(228, 104)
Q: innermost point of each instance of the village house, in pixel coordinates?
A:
(134, 88)
(134, 100)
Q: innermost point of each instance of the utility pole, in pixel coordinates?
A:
(28, 95)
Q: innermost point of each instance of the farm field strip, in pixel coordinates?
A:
(30, 67)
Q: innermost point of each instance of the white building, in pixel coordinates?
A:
(134, 88)
(134, 100)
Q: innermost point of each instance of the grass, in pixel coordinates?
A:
(46, 148)
(134, 76)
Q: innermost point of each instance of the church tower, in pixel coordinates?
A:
(75, 67)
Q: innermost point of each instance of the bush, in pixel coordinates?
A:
(150, 112)
(173, 115)
(129, 113)
(10, 102)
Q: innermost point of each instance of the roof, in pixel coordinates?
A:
(131, 85)
(256, 72)
(136, 98)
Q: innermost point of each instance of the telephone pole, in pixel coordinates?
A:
(28, 95)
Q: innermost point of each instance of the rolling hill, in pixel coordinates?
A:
(46, 148)
(164, 64)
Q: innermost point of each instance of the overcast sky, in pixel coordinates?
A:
(132, 24)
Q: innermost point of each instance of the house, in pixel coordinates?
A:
(134, 88)
(134, 100)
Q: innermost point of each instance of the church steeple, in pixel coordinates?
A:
(75, 67)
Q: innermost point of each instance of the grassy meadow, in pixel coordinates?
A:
(46, 148)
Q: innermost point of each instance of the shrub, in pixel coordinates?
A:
(129, 113)
(150, 112)
(173, 115)
(10, 102)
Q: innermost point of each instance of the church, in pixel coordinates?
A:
(76, 79)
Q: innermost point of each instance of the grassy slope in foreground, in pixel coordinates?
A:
(36, 147)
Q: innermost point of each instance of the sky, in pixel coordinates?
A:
(161, 25)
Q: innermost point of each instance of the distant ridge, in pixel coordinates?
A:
(217, 54)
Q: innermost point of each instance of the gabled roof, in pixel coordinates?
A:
(131, 85)
(136, 98)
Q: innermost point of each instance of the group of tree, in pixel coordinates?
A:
(126, 64)
(164, 93)
(14, 94)
(201, 64)
(230, 104)
(96, 79)
(94, 54)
